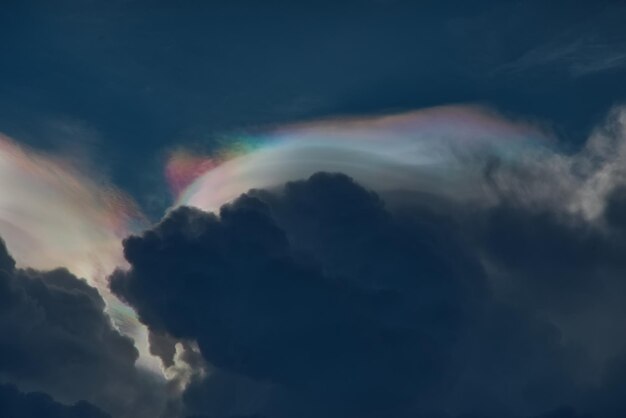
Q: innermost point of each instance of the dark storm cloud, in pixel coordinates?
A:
(14, 404)
(56, 338)
(319, 299)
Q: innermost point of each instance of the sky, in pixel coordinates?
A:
(374, 208)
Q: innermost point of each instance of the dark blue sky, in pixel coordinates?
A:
(124, 81)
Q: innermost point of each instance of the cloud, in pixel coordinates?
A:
(470, 154)
(54, 215)
(579, 57)
(318, 299)
(470, 268)
(439, 150)
(595, 45)
(15, 404)
(55, 337)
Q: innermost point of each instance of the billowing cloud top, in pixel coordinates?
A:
(484, 277)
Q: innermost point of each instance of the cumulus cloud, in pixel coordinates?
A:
(55, 337)
(321, 299)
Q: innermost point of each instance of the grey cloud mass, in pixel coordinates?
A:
(55, 337)
(319, 299)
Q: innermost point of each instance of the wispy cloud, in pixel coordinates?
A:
(596, 45)
(579, 57)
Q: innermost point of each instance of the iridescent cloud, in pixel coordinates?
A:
(52, 215)
(440, 150)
